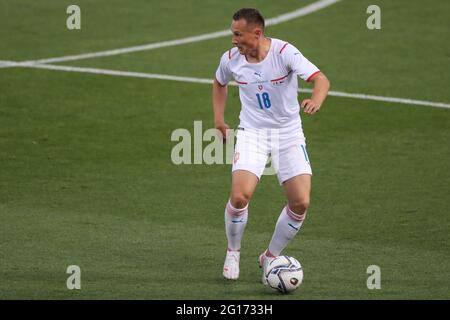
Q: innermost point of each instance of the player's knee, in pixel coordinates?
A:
(299, 206)
(239, 199)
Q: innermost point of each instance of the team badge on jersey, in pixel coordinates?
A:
(236, 157)
(260, 87)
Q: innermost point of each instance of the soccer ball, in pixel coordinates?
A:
(284, 274)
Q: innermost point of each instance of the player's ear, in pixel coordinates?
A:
(257, 32)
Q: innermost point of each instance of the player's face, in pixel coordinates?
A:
(245, 37)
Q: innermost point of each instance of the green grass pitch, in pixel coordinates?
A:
(86, 176)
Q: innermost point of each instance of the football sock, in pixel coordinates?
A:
(288, 224)
(235, 222)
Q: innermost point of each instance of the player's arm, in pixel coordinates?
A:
(219, 97)
(320, 91)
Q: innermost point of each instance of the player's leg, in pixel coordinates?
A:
(294, 173)
(291, 218)
(298, 192)
(236, 214)
(243, 185)
(248, 165)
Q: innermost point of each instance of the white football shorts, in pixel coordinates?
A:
(287, 151)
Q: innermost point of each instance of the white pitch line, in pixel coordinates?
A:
(118, 73)
(389, 99)
(316, 6)
(7, 64)
(209, 81)
(313, 7)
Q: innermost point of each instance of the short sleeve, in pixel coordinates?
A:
(223, 73)
(300, 65)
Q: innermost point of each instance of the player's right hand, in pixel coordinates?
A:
(223, 129)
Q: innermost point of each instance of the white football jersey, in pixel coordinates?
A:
(268, 89)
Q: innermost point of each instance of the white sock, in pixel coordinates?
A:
(235, 222)
(288, 224)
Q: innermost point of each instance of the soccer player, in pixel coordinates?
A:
(266, 71)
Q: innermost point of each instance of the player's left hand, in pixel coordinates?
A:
(310, 106)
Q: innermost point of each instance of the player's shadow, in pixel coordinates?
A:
(247, 286)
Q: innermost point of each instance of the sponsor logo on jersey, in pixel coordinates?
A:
(277, 83)
(259, 82)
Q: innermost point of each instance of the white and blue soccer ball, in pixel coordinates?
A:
(284, 274)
